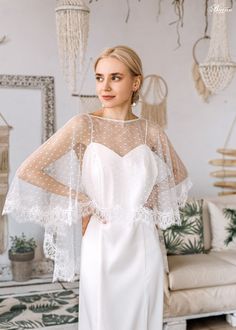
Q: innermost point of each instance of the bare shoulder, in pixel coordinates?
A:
(79, 119)
(155, 134)
(154, 128)
(97, 113)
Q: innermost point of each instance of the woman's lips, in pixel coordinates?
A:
(107, 97)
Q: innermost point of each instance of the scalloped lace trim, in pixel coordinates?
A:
(58, 216)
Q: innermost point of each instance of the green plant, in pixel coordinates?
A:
(231, 228)
(20, 244)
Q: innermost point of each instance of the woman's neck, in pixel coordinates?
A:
(116, 113)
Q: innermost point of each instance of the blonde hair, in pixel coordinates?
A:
(128, 57)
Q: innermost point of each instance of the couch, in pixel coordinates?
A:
(201, 284)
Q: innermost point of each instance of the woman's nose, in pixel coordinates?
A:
(106, 85)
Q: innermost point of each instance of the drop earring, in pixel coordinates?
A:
(136, 98)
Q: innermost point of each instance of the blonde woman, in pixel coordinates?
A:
(101, 186)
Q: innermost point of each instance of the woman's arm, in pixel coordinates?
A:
(64, 140)
(172, 182)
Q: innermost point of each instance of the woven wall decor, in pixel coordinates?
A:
(217, 70)
(200, 86)
(4, 172)
(227, 164)
(154, 99)
(72, 22)
(88, 103)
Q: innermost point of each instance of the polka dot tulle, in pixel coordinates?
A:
(48, 188)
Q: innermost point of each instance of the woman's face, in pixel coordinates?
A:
(114, 83)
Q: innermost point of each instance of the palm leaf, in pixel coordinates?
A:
(231, 228)
(172, 243)
(44, 308)
(198, 228)
(186, 228)
(192, 247)
(18, 325)
(53, 319)
(29, 299)
(191, 209)
(12, 313)
(73, 309)
(60, 297)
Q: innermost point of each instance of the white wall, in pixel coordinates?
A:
(195, 128)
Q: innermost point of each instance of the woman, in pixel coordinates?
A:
(120, 177)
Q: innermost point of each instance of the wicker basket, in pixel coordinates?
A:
(21, 265)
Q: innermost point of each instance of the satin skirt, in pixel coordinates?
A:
(121, 277)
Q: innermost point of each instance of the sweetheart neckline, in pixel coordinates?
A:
(104, 146)
(116, 120)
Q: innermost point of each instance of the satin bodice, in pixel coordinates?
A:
(113, 180)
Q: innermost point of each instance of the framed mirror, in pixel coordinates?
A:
(28, 105)
(46, 86)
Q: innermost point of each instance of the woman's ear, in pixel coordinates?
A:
(137, 82)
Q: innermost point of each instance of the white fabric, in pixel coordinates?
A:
(121, 279)
(113, 180)
(52, 187)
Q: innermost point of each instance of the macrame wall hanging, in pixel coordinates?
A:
(4, 172)
(72, 22)
(87, 102)
(153, 99)
(217, 70)
(2, 39)
(227, 172)
(200, 86)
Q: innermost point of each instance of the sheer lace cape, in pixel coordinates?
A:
(47, 188)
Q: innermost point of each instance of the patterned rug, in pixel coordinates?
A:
(38, 310)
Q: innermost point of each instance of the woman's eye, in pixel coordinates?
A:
(116, 78)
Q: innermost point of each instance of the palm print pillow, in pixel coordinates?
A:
(188, 237)
(223, 226)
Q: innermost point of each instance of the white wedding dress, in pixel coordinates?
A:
(126, 173)
(121, 276)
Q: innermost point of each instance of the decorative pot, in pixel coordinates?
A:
(21, 264)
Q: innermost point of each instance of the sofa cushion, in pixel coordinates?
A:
(223, 226)
(210, 300)
(201, 270)
(224, 199)
(188, 237)
(226, 255)
(206, 226)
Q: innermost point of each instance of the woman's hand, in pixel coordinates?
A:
(85, 221)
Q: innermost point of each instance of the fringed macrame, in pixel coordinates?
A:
(217, 70)
(200, 86)
(153, 100)
(4, 172)
(72, 22)
(227, 163)
(89, 103)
